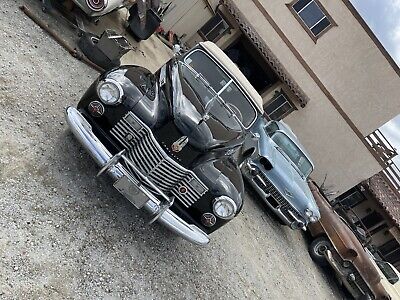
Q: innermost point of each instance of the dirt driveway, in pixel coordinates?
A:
(65, 234)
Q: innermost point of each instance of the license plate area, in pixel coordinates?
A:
(128, 187)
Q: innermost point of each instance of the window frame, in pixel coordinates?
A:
(279, 93)
(223, 20)
(304, 25)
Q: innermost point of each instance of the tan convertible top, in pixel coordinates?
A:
(234, 71)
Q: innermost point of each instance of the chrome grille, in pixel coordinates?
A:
(148, 156)
(269, 188)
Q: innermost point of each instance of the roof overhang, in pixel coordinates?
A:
(246, 27)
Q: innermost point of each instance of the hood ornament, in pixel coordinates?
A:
(179, 144)
(288, 193)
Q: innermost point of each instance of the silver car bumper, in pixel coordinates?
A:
(82, 130)
(294, 222)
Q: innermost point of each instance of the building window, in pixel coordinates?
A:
(372, 220)
(312, 16)
(215, 28)
(351, 198)
(390, 251)
(279, 106)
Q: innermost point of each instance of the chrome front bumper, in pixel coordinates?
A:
(82, 130)
(246, 171)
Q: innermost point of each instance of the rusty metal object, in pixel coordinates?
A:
(73, 51)
(345, 243)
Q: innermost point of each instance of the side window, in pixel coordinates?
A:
(388, 271)
(312, 16)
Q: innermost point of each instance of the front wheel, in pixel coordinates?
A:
(317, 250)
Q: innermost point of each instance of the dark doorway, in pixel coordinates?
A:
(243, 53)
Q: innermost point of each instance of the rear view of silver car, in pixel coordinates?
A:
(278, 168)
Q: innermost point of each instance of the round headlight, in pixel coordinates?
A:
(224, 207)
(313, 219)
(110, 92)
(308, 212)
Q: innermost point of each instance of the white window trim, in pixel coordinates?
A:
(319, 21)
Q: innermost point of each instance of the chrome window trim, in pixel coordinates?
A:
(238, 85)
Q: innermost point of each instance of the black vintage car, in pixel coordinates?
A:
(168, 139)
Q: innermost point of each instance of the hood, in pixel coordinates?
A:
(285, 177)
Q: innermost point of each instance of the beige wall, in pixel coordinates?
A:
(185, 17)
(345, 59)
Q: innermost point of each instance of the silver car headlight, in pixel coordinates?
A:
(110, 92)
(224, 207)
(310, 215)
(308, 212)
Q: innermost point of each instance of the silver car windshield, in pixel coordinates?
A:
(222, 84)
(293, 152)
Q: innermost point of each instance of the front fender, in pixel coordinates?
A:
(223, 177)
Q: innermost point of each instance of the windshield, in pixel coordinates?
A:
(293, 152)
(223, 85)
(212, 102)
(387, 270)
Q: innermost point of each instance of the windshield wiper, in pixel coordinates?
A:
(207, 107)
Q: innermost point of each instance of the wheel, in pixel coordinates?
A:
(88, 45)
(317, 249)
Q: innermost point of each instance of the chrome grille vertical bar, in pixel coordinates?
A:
(148, 156)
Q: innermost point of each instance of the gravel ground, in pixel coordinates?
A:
(65, 234)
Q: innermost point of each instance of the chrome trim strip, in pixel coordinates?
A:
(83, 133)
(228, 74)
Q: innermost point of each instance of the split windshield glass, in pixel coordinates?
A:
(212, 103)
(222, 84)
